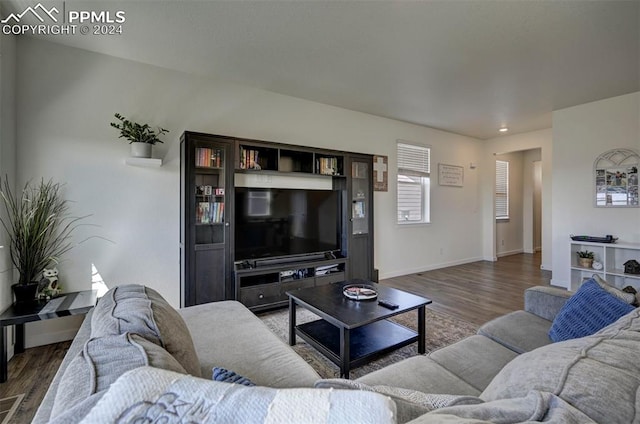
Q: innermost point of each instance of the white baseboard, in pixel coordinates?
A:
(510, 252)
(428, 268)
(561, 284)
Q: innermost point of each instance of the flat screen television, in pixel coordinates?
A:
(277, 222)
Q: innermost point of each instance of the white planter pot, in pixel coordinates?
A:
(140, 150)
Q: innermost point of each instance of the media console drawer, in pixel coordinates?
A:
(335, 277)
(296, 284)
(260, 295)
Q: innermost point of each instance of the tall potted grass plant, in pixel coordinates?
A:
(39, 228)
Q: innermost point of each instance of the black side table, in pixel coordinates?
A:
(18, 314)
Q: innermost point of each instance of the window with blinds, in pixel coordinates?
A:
(413, 183)
(502, 189)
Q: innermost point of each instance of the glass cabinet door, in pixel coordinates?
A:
(209, 193)
(360, 201)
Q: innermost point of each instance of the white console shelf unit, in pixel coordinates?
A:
(612, 256)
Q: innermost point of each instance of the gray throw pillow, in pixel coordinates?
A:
(410, 403)
(624, 296)
(101, 362)
(141, 310)
(598, 374)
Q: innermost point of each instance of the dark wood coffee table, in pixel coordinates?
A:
(352, 333)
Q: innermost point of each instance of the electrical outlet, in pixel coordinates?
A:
(502, 243)
(441, 250)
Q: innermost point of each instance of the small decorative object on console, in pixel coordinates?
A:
(360, 292)
(596, 265)
(632, 267)
(585, 258)
(606, 239)
(49, 286)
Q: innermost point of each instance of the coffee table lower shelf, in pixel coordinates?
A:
(366, 343)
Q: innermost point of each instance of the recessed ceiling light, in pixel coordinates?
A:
(503, 129)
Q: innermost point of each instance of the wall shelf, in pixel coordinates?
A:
(144, 162)
(612, 256)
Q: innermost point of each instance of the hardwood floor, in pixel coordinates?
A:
(30, 373)
(479, 291)
(475, 292)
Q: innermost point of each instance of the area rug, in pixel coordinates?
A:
(8, 408)
(442, 330)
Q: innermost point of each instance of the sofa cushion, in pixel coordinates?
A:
(101, 362)
(422, 374)
(545, 301)
(141, 310)
(476, 359)
(519, 331)
(586, 312)
(598, 374)
(152, 395)
(409, 403)
(536, 407)
(241, 342)
(43, 415)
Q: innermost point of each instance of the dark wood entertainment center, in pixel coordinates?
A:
(210, 167)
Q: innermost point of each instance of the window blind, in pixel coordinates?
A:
(502, 189)
(413, 181)
(413, 160)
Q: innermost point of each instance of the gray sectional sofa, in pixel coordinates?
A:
(509, 372)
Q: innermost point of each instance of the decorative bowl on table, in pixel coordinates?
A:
(360, 292)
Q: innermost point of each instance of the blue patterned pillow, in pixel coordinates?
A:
(590, 309)
(226, 376)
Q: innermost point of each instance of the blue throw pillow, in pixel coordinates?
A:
(590, 309)
(226, 376)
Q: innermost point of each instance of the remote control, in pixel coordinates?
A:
(386, 304)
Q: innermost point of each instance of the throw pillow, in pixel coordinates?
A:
(590, 309)
(154, 395)
(625, 297)
(410, 403)
(598, 374)
(226, 376)
(141, 310)
(101, 362)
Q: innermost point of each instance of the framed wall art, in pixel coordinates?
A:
(450, 175)
(616, 179)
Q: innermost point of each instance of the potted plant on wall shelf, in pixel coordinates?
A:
(141, 136)
(39, 228)
(585, 258)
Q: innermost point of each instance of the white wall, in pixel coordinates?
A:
(7, 152)
(531, 188)
(67, 97)
(541, 139)
(537, 206)
(509, 232)
(580, 135)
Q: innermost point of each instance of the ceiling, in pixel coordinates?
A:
(468, 67)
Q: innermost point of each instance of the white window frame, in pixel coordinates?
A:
(502, 190)
(417, 174)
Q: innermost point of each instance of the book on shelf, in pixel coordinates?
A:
(209, 158)
(202, 213)
(249, 158)
(210, 213)
(328, 166)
